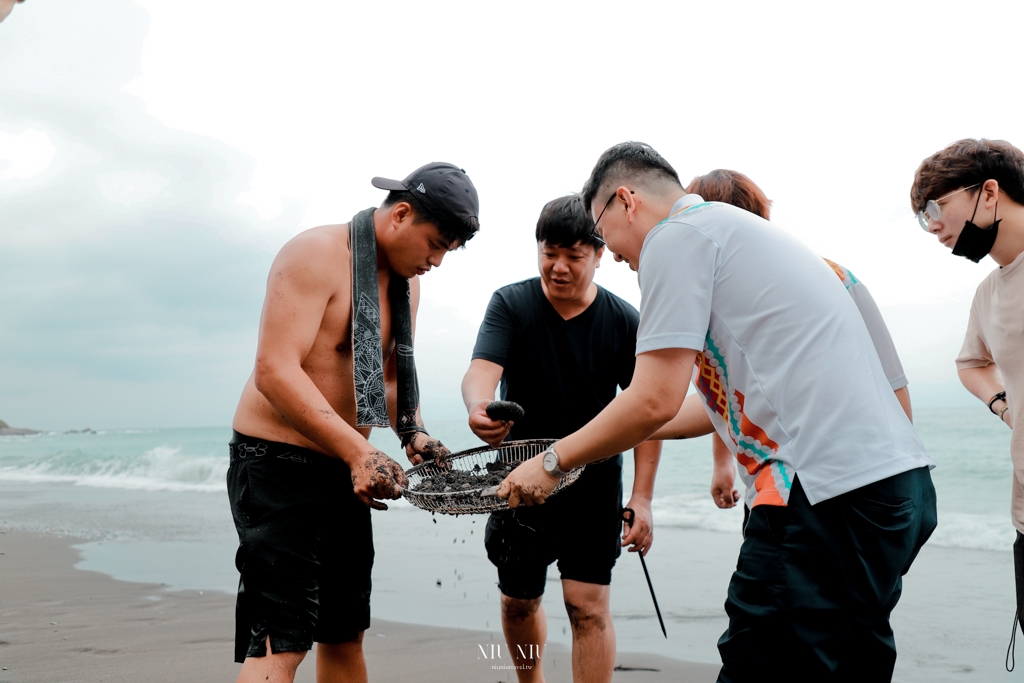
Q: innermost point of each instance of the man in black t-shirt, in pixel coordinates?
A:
(561, 346)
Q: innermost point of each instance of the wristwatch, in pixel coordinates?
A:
(550, 463)
(1001, 396)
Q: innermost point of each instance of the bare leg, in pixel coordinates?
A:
(341, 663)
(525, 627)
(593, 635)
(275, 667)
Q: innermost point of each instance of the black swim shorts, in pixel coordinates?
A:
(305, 548)
(580, 528)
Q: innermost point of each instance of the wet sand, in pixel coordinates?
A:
(58, 624)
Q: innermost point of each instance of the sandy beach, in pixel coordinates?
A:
(58, 624)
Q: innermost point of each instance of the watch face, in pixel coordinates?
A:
(551, 462)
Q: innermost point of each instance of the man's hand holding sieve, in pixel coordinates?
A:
(528, 484)
(378, 477)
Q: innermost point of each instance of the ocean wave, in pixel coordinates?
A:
(955, 530)
(973, 531)
(158, 469)
(689, 511)
(196, 461)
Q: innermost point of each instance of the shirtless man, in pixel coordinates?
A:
(302, 477)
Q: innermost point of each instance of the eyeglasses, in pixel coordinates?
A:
(606, 205)
(933, 210)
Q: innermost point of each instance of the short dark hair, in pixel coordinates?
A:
(565, 221)
(451, 230)
(630, 159)
(965, 163)
(731, 187)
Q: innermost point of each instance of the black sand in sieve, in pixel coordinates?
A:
(454, 481)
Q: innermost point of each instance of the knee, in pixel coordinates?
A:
(516, 609)
(349, 645)
(586, 616)
(341, 652)
(290, 660)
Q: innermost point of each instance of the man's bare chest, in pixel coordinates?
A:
(336, 330)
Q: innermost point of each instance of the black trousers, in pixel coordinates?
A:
(814, 585)
(1018, 571)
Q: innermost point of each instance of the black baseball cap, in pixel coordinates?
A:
(444, 188)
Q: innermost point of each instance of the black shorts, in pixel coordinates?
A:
(305, 548)
(580, 528)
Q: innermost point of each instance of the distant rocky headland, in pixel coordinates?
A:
(7, 430)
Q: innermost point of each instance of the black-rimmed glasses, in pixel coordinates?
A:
(597, 234)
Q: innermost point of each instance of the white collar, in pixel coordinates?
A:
(685, 201)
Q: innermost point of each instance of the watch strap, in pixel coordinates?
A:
(1001, 396)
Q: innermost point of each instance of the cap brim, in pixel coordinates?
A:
(387, 184)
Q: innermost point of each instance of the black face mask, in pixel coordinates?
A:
(974, 243)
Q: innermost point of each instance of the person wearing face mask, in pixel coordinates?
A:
(970, 196)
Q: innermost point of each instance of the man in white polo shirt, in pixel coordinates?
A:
(844, 498)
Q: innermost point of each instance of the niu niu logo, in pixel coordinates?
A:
(494, 651)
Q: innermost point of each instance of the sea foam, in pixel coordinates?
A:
(158, 468)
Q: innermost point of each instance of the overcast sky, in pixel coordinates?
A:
(153, 160)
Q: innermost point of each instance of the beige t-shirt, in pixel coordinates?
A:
(995, 334)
